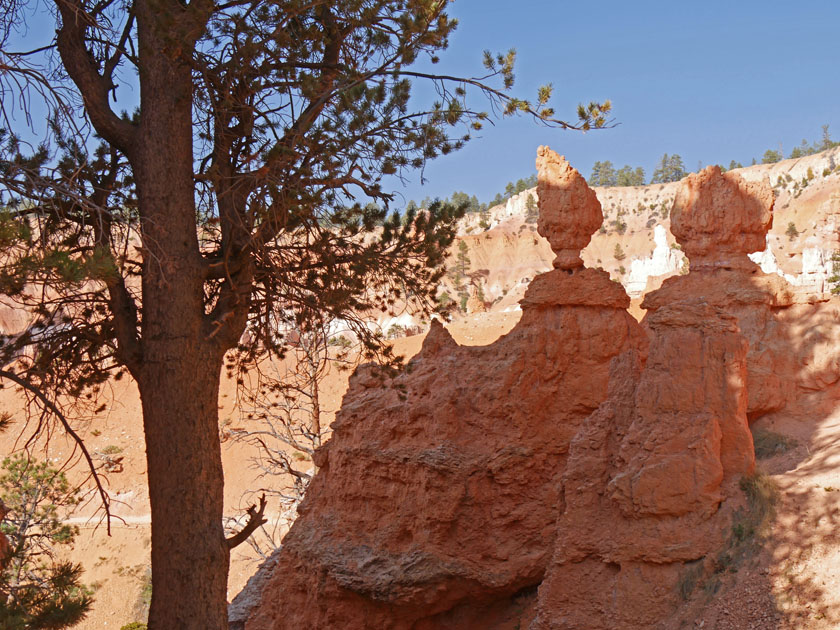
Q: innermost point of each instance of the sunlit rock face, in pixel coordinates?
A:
(719, 218)
(438, 496)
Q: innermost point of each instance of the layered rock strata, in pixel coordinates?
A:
(437, 498)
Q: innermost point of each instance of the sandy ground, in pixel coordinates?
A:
(791, 580)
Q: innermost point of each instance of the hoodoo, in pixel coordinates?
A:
(437, 498)
(571, 474)
(649, 470)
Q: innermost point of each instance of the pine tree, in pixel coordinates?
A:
(532, 212)
(618, 253)
(825, 141)
(802, 150)
(676, 169)
(771, 157)
(603, 174)
(459, 272)
(834, 279)
(627, 176)
(174, 240)
(36, 590)
(670, 169)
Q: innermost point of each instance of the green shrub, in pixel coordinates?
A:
(689, 578)
(618, 253)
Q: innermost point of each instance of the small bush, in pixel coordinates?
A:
(689, 579)
(111, 449)
(135, 625)
(762, 496)
(618, 253)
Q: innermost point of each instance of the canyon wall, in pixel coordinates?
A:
(637, 220)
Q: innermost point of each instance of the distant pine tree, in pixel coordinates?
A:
(627, 176)
(618, 253)
(670, 169)
(532, 212)
(603, 174)
(771, 157)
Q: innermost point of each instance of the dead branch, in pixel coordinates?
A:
(255, 519)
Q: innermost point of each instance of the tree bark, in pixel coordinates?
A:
(190, 556)
(180, 362)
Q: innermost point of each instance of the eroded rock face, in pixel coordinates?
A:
(719, 218)
(648, 471)
(437, 498)
(720, 212)
(566, 475)
(474, 303)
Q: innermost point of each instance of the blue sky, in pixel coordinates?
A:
(711, 81)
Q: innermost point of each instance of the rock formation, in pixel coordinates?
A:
(566, 476)
(647, 473)
(719, 219)
(474, 303)
(436, 501)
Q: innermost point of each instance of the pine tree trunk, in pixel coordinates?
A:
(189, 554)
(180, 366)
